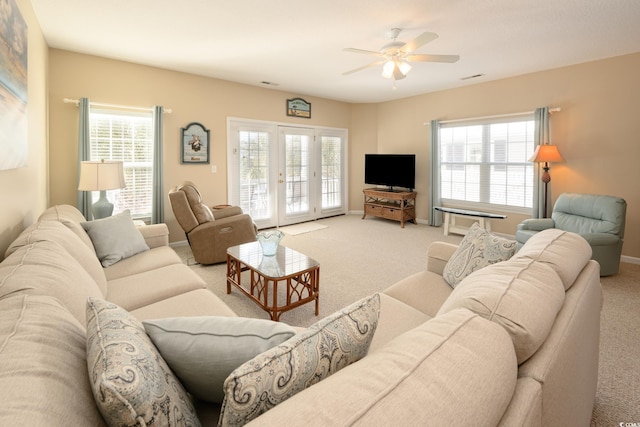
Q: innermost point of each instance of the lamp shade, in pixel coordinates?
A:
(546, 153)
(100, 176)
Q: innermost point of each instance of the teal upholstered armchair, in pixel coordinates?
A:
(599, 219)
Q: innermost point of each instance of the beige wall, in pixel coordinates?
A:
(597, 131)
(23, 191)
(192, 99)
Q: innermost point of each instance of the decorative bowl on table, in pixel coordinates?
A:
(269, 241)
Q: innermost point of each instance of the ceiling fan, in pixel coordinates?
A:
(396, 55)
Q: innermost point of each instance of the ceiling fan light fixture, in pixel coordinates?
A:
(388, 68)
(404, 67)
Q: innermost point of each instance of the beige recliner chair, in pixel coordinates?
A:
(209, 233)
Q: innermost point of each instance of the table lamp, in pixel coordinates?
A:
(546, 153)
(101, 176)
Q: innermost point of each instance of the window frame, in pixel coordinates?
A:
(486, 150)
(132, 164)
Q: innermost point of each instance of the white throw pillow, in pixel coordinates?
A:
(479, 248)
(203, 351)
(115, 238)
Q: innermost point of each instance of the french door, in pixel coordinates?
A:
(283, 175)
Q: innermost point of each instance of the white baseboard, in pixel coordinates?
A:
(630, 259)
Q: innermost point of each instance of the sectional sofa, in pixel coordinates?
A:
(513, 343)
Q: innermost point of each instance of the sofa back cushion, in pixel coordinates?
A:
(71, 217)
(523, 296)
(452, 369)
(45, 268)
(55, 231)
(565, 252)
(43, 365)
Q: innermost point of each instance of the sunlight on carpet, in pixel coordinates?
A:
(304, 227)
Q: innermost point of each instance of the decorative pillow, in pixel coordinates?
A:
(115, 238)
(203, 351)
(478, 249)
(131, 383)
(277, 374)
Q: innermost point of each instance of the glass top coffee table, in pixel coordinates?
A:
(276, 283)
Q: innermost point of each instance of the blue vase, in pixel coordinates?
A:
(269, 241)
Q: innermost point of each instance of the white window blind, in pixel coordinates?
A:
(331, 171)
(485, 162)
(126, 136)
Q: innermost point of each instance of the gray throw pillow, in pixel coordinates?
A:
(203, 351)
(115, 238)
(479, 248)
(278, 374)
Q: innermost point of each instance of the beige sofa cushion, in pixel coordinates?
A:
(132, 384)
(143, 261)
(306, 359)
(138, 290)
(45, 268)
(457, 369)
(201, 302)
(71, 218)
(425, 291)
(43, 367)
(57, 232)
(521, 295)
(396, 318)
(564, 251)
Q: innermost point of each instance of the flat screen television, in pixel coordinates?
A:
(392, 170)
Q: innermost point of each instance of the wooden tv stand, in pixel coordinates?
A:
(395, 205)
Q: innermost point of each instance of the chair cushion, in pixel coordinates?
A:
(200, 210)
(590, 213)
(115, 238)
(478, 249)
(203, 351)
(521, 295)
(277, 374)
(131, 383)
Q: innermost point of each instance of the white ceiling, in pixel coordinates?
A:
(297, 44)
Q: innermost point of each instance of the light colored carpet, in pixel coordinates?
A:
(358, 257)
(305, 227)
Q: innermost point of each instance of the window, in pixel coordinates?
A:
(485, 162)
(331, 171)
(125, 136)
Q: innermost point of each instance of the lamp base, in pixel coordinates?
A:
(102, 208)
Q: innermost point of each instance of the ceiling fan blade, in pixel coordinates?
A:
(432, 58)
(367, 52)
(373, 64)
(419, 41)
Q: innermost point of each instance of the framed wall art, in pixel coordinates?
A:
(195, 144)
(298, 107)
(14, 145)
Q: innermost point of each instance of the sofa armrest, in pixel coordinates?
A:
(155, 235)
(536, 224)
(438, 253)
(227, 212)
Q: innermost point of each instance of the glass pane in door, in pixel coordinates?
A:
(297, 173)
(254, 174)
(331, 172)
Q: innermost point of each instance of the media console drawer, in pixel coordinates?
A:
(394, 205)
